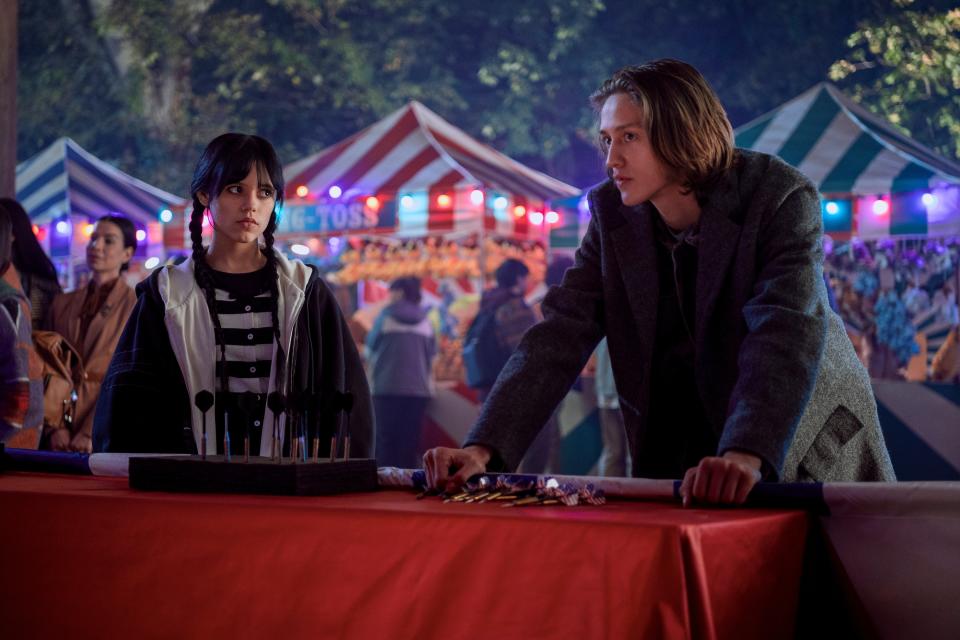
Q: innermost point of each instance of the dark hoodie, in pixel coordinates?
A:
(401, 346)
(513, 315)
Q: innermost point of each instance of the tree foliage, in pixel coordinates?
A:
(906, 67)
(146, 83)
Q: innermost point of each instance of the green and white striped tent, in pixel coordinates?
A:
(855, 159)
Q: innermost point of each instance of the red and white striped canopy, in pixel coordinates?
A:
(413, 149)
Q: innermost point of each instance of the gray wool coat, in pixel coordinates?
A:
(775, 371)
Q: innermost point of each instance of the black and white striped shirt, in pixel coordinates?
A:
(243, 303)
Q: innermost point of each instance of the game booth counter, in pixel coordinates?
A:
(868, 560)
(65, 189)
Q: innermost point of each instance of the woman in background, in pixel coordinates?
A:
(91, 319)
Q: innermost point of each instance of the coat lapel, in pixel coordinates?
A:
(719, 236)
(633, 243)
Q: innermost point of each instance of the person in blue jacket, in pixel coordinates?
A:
(401, 347)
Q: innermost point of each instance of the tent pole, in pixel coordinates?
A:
(8, 98)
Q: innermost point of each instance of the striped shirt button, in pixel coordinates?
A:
(247, 308)
(253, 369)
(256, 423)
(249, 336)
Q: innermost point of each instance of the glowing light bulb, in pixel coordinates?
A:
(63, 227)
(519, 211)
(300, 249)
(881, 207)
(832, 208)
(335, 191)
(500, 202)
(166, 215)
(443, 200)
(929, 200)
(302, 191)
(476, 197)
(536, 218)
(373, 203)
(88, 230)
(552, 217)
(406, 202)
(141, 235)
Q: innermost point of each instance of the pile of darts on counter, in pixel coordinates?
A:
(521, 491)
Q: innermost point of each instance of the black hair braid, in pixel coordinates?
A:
(275, 298)
(201, 272)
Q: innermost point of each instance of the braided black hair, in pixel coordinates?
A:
(227, 160)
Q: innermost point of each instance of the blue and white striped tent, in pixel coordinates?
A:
(856, 157)
(64, 180)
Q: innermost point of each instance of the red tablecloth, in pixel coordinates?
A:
(86, 557)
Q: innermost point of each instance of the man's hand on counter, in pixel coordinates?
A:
(447, 469)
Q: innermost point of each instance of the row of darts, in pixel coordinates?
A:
(295, 408)
(521, 491)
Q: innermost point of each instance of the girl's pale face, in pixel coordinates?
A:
(105, 251)
(242, 210)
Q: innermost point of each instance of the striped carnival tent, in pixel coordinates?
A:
(64, 180)
(876, 182)
(64, 188)
(919, 423)
(414, 174)
(575, 216)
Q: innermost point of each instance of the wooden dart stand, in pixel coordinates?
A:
(260, 475)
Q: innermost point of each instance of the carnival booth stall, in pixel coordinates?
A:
(65, 189)
(891, 207)
(413, 195)
(425, 198)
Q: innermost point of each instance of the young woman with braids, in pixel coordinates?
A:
(236, 319)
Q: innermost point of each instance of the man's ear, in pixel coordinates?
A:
(202, 197)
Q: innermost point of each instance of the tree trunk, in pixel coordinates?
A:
(165, 91)
(8, 97)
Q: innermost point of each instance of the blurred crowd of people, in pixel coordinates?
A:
(898, 301)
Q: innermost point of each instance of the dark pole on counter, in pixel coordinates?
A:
(277, 405)
(203, 401)
(8, 98)
(348, 409)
